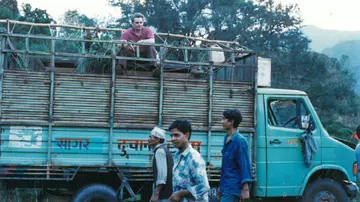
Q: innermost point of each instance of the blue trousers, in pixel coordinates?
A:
(229, 198)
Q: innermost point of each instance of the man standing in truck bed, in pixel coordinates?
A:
(236, 167)
(138, 33)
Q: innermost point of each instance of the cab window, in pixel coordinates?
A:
(286, 113)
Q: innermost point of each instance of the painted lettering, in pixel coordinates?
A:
(68, 143)
(195, 144)
(294, 141)
(139, 145)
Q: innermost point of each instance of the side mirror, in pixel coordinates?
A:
(305, 122)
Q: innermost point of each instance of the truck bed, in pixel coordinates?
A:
(53, 128)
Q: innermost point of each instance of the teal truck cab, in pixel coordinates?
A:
(281, 170)
(67, 128)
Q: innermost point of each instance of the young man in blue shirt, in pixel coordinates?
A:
(236, 166)
(356, 135)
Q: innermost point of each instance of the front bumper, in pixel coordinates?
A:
(351, 189)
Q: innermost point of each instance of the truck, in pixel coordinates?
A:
(85, 134)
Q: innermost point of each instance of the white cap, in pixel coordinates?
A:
(158, 132)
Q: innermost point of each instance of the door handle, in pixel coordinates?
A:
(276, 141)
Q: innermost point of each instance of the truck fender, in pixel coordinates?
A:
(95, 191)
(317, 168)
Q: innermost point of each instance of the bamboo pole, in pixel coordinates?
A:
(110, 29)
(78, 55)
(2, 67)
(125, 42)
(112, 104)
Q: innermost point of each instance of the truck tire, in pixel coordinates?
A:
(95, 192)
(324, 190)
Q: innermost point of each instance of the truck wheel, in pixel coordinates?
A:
(96, 192)
(325, 190)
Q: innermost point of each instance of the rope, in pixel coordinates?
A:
(30, 30)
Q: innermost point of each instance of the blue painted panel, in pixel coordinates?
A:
(90, 146)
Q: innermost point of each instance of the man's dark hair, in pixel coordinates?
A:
(358, 131)
(183, 126)
(137, 15)
(233, 115)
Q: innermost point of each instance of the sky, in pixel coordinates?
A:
(330, 14)
(327, 14)
(92, 8)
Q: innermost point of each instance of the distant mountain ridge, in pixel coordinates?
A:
(334, 43)
(327, 38)
(352, 50)
(349, 48)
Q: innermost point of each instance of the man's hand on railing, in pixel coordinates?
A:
(128, 47)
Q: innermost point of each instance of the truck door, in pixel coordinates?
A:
(286, 169)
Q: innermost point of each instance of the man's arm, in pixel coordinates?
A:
(156, 194)
(161, 165)
(126, 36)
(356, 136)
(243, 160)
(149, 36)
(147, 41)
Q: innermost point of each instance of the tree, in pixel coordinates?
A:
(271, 29)
(73, 17)
(164, 15)
(258, 25)
(37, 15)
(85, 65)
(222, 19)
(329, 84)
(9, 9)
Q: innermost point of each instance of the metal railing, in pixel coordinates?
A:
(168, 42)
